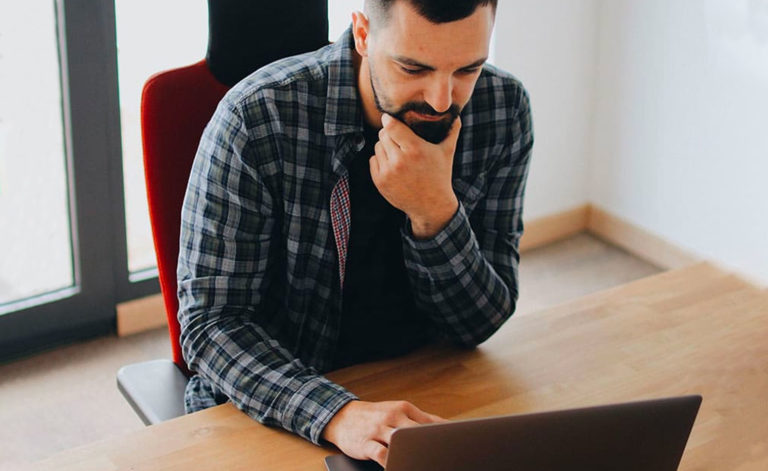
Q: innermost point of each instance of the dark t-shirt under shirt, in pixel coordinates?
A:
(379, 318)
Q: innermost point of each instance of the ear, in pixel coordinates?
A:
(360, 31)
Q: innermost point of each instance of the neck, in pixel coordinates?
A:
(371, 114)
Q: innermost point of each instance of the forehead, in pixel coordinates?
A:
(407, 33)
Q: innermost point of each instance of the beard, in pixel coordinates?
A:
(431, 131)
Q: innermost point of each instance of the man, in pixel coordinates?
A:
(352, 204)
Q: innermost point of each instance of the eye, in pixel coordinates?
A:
(411, 71)
(469, 71)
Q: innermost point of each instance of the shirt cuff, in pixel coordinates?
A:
(313, 406)
(448, 249)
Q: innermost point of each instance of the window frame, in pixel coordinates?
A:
(86, 32)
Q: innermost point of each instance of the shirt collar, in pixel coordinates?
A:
(343, 112)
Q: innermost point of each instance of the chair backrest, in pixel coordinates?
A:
(176, 105)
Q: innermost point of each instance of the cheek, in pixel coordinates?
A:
(462, 91)
(403, 89)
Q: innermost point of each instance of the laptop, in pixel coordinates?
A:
(634, 436)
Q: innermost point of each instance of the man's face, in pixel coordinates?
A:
(424, 73)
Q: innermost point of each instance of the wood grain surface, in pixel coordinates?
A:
(695, 330)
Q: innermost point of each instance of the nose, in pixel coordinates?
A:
(440, 94)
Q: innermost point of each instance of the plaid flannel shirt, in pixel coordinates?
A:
(266, 221)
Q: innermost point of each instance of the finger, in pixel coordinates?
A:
(398, 131)
(386, 137)
(437, 419)
(382, 152)
(390, 147)
(386, 435)
(377, 452)
(403, 422)
(419, 415)
(453, 134)
(373, 163)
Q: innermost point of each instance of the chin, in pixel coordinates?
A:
(434, 132)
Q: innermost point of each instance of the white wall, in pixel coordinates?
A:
(655, 110)
(551, 46)
(340, 16)
(681, 127)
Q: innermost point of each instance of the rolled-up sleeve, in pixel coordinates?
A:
(466, 277)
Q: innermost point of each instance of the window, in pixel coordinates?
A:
(174, 35)
(35, 233)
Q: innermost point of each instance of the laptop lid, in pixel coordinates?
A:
(634, 436)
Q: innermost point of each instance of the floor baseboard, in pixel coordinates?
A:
(140, 315)
(548, 229)
(637, 241)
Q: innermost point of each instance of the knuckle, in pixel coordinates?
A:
(382, 432)
(391, 415)
(371, 450)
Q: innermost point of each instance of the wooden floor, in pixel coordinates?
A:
(66, 398)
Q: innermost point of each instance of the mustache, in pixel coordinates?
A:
(425, 109)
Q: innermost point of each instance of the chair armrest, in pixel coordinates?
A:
(155, 389)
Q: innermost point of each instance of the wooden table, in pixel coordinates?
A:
(697, 330)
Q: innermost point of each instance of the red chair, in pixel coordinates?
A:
(175, 107)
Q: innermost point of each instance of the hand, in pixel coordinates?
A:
(363, 430)
(415, 175)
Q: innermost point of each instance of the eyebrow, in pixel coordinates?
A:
(412, 62)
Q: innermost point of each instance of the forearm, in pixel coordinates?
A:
(453, 280)
(257, 374)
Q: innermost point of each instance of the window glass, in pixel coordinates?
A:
(35, 234)
(152, 36)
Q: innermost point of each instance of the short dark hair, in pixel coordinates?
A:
(436, 11)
